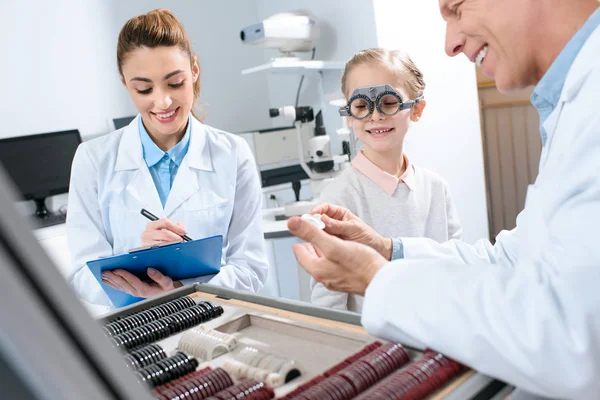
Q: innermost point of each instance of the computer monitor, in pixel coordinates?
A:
(122, 122)
(40, 165)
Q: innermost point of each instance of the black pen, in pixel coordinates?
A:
(153, 217)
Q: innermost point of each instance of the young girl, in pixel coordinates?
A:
(384, 90)
(169, 163)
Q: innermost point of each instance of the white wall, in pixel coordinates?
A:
(60, 64)
(448, 138)
(231, 101)
(58, 69)
(346, 27)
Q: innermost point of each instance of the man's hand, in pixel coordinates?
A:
(129, 283)
(341, 222)
(161, 231)
(339, 265)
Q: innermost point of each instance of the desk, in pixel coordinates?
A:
(53, 240)
(273, 229)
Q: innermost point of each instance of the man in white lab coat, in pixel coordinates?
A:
(527, 309)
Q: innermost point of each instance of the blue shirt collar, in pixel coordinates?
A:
(153, 154)
(547, 92)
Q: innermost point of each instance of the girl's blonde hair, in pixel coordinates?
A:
(397, 61)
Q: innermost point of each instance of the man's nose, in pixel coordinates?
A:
(455, 40)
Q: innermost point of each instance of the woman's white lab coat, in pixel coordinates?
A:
(526, 310)
(216, 192)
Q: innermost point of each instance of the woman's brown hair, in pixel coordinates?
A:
(156, 28)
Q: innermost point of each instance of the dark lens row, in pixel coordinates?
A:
(417, 381)
(143, 335)
(167, 326)
(167, 370)
(360, 375)
(302, 388)
(385, 359)
(343, 364)
(180, 302)
(145, 356)
(248, 390)
(333, 370)
(144, 317)
(196, 386)
(174, 382)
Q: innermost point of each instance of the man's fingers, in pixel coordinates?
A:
(309, 248)
(336, 227)
(318, 267)
(328, 209)
(316, 250)
(322, 208)
(306, 256)
(163, 281)
(333, 211)
(329, 245)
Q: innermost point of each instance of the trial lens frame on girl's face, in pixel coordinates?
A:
(364, 100)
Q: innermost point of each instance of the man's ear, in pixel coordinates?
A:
(417, 111)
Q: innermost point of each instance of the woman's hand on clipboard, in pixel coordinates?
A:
(129, 283)
(157, 232)
(162, 230)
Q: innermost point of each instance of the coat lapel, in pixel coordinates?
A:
(140, 190)
(198, 158)
(584, 63)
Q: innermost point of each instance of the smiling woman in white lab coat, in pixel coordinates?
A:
(169, 163)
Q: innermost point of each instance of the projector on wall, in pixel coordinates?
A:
(288, 32)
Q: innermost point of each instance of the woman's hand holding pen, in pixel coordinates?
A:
(160, 231)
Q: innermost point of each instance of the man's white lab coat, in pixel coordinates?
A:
(526, 310)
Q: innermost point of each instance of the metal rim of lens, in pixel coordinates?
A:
(370, 106)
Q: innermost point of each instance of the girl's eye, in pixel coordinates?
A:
(147, 91)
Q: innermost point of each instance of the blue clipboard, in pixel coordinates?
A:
(179, 261)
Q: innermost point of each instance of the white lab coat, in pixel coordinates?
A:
(526, 310)
(216, 192)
